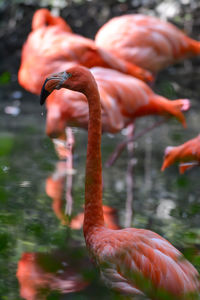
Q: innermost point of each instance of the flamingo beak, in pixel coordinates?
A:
(44, 93)
(54, 82)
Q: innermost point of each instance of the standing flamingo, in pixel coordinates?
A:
(123, 99)
(125, 257)
(146, 41)
(51, 45)
(187, 154)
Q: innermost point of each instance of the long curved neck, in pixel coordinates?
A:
(93, 179)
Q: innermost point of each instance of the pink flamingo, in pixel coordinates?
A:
(123, 99)
(130, 256)
(146, 41)
(187, 154)
(52, 45)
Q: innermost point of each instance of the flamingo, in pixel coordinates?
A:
(123, 99)
(187, 154)
(52, 45)
(126, 257)
(146, 41)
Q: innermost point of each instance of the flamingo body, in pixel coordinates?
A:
(123, 99)
(51, 46)
(150, 43)
(125, 255)
(187, 154)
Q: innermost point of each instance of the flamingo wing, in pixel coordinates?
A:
(133, 98)
(129, 93)
(132, 260)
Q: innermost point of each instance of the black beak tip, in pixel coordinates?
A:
(44, 93)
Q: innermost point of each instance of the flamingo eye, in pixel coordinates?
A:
(69, 75)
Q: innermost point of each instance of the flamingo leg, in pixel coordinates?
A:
(147, 164)
(118, 150)
(129, 177)
(69, 172)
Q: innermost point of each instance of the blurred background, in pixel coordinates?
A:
(36, 242)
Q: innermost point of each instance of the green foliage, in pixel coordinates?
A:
(5, 78)
(53, 296)
(6, 144)
(3, 194)
(182, 182)
(4, 242)
(167, 90)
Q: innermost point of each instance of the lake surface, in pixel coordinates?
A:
(36, 241)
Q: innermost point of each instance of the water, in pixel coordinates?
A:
(38, 244)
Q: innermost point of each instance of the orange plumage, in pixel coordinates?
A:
(51, 46)
(123, 99)
(130, 257)
(147, 41)
(187, 154)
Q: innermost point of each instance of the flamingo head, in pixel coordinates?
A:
(76, 78)
(53, 82)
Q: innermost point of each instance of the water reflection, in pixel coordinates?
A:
(40, 273)
(27, 222)
(57, 190)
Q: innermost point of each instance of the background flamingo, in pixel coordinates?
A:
(187, 154)
(123, 99)
(129, 255)
(51, 46)
(147, 41)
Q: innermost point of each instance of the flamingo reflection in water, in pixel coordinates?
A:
(39, 274)
(64, 271)
(132, 261)
(63, 174)
(187, 154)
(55, 186)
